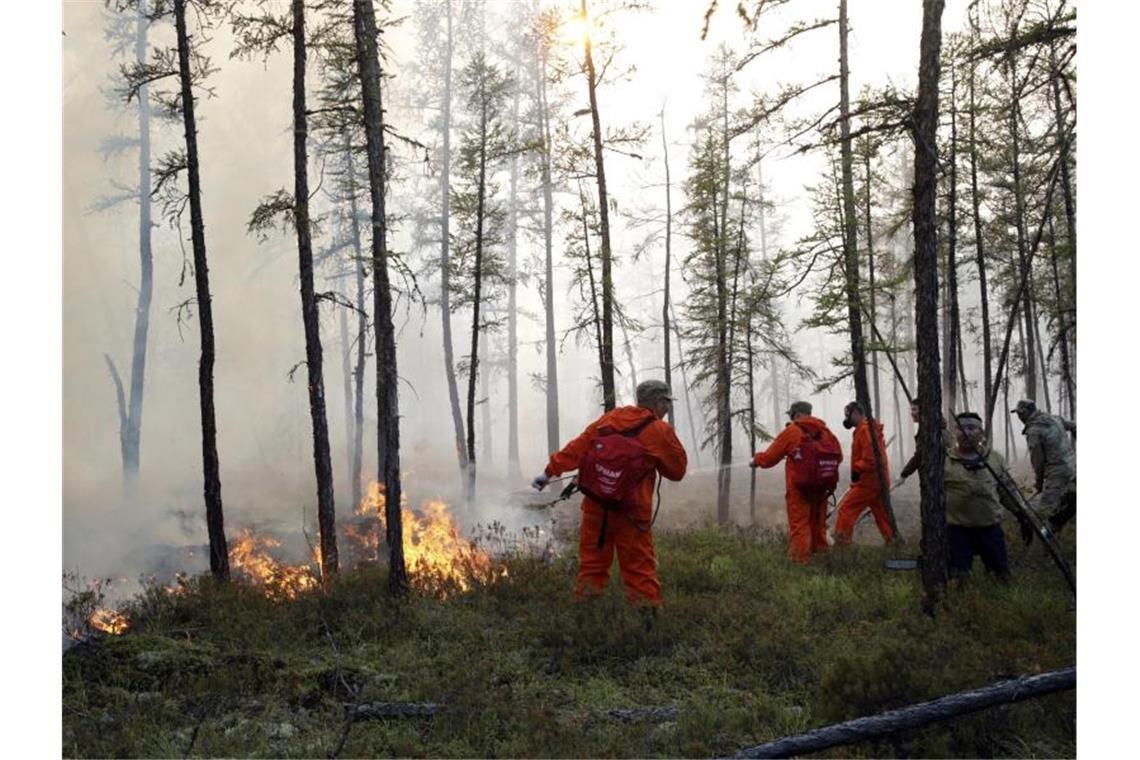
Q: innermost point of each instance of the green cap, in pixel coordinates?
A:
(799, 407)
(653, 390)
(1025, 405)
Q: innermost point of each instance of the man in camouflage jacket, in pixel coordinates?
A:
(1054, 462)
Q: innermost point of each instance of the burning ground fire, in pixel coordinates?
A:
(438, 559)
(108, 621)
(249, 556)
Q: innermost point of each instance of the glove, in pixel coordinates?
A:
(1027, 530)
(855, 476)
(897, 483)
(540, 482)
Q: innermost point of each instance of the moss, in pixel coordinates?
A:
(747, 648)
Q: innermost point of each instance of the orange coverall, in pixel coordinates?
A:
(866, 492)
(626, 532)
(807, 517)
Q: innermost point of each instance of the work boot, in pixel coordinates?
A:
(648, 618)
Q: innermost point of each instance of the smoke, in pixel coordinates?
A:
(264, 433)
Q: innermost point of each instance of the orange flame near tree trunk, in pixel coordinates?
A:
(437, 557)
(249, 556)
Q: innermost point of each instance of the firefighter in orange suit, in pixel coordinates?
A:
(627, 532)
(807, 513)
(866, 488)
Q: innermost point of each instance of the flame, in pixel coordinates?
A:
(108, 621)
(438, 559)
(249, 556)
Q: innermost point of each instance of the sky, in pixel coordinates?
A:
(63, 429)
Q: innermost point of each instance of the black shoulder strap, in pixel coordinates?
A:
(638, 428)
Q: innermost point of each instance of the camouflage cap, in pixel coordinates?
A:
(1028, 406)
(653, 390)
(799, 407)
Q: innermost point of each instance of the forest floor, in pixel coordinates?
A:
(746, 649)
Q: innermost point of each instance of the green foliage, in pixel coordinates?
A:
(746, 649)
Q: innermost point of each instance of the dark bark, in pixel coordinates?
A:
(553, 439)
(476, 304)
(1024, 279)
(445, 258)
(875, 410)
(212, 484)
(955, 324)
(314, 359)
(346, 386)
(851, 262)
(387, 396)
(1063, 327)
(724, 318)
(850, 251)
(609, 399)
(598, 342)
(914, 716)
(932, 504)
(1069, 343)
(1043, 367)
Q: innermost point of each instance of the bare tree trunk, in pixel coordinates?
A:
(988, 379)
(876, 410)
(514, 471)
(609, 398)
(361, 338)
(851, 262)
(314, 359)
(445, 257)
(773, 361)
(932, 505)
(850, 252)
(628, 346)
(1070, 230)
(955, 331)
(1044, 368)
(387, 377)
(666, 337)
(346, 375)
(1019, 220)
(695, 445)
(1062, 327)
(476, 316)
(212, 484)
(553, 439)
(899, 445)
(131, 429)
(484, 402)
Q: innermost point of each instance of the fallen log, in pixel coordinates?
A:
(381, 710)
(644, 714)
(953, 705)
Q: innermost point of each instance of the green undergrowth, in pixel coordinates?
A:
(746, 649)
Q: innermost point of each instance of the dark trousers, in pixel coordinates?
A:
(987, 542)
(1066, 511)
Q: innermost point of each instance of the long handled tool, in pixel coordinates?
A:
(567, 492)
